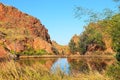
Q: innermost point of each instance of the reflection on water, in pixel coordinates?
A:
(67, 65)
(62, 65)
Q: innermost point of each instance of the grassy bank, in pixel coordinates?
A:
(14, 71)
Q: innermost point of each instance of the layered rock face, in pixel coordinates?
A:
(19, 30)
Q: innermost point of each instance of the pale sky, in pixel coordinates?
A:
(58, 15)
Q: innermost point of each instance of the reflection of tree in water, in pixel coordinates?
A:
(78, 66)
(81, 65)
(86, 65)
(99, 64)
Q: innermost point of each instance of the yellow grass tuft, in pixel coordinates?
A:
(13, 71)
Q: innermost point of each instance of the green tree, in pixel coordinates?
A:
(109, 21)
(72, 46)
(115, 34)
(91, 36)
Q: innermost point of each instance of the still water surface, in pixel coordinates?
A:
(61, 64)
(70, 65)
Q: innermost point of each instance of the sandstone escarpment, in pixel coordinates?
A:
(18, 30)
(11, 17)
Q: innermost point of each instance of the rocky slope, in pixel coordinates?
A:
(18, 31)
(62, 49)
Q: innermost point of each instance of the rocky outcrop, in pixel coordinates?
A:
(18, 29)
(42, 44)
(62, 49)
(96, 49)
(11, 17)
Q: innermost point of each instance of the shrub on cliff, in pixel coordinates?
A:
(29, 51)
(115, 34)
(118, 56)
(41, 52)
(89, 38)
(114, 71)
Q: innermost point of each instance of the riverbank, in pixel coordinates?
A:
(13, 71)
(68, 56)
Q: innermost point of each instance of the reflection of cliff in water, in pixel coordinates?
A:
(92, 64)
(78, 65)
(47, 62)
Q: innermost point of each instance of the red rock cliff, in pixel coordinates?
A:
(18, 29)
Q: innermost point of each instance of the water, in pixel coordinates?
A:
(70, 65)
(61, 64)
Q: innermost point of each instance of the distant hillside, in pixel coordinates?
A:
(62, 49)
(21, 32)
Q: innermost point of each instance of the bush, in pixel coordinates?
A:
(72, 46)
(115, 33)
(118, 56)
(88, 37)
(40, 52)
(31, 51)
(13, 52)
(28, 51)
(114, 71)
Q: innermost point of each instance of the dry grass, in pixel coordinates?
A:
(15, 33)
(14, 71)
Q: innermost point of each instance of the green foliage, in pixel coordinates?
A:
(40, 52)
(31, 51)
(91, 15)
(95, 33)
(83, 68)
(114, 71)
(72, 46)
(115, 33)
(109, 21)
(28, 51)
(90, 36)
(13, 52)
(82, 44)
(118, 56)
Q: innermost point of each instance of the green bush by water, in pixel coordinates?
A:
(118, 57)
(114, 71)
(30, 51)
